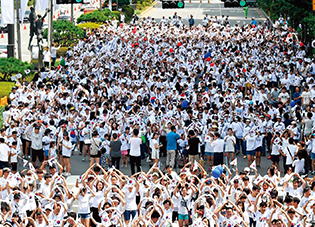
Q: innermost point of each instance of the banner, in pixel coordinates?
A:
(7, 12)
(23, 9)
(41, 4)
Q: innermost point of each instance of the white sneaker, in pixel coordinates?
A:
(83, 159)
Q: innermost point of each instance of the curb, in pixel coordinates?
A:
(148, 9)
(264, 14)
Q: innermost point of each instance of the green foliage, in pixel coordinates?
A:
(139, 7)
(65, 33)
(30, 3)
(100, 17)
(95, 16)
(116, 14)
(62, 52)
(1, 116)
(128, 11)
(123, 2)
(89, 25)
(6, 88)
(138, 12)
(298, 12)
(12, 66)
(144, 3)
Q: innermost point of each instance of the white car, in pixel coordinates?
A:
(3, 51)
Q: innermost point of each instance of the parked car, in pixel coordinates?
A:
(64, 17)
(3, 51)
(3, 28)
(27, 16)
(89, 9)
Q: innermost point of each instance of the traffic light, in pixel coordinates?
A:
(173, 4)
(69, 1)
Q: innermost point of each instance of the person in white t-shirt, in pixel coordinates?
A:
(84, 204)
(155, 148)
(250, 146)
(230, 142)
(135, 151)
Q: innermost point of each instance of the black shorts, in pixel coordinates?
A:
(96, 155)
(37, 153)
(3, 164)
(14, 166)
(65, 156)
(275, 158)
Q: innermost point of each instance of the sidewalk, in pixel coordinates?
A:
(148, 10)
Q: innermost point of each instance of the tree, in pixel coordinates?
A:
(12, 66)
(65, 33)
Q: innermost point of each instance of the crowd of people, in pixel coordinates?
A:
(194, 94)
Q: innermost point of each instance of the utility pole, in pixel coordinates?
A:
(72, 13)
(110, 5)
(101, 5)
(18, 30)
(50, 24)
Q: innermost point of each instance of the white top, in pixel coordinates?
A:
(217, 145)
(130, 198)
(299, 165)
(135, 143)
(97, 198)
(230, 141)
(84, 207)
(153, 142)
(4, 152)
(289, 156)
(65, 151)
(250, 142)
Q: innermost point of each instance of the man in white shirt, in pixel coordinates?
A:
(306, 97)
(135, 151)
(218, 145)
(4, 155)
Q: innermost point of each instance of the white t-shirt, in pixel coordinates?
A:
(84, 206)
(4, 152)
(299, 165)
(250, 142)
(130, 198)
(289, 156)
(230, 141)
(135, 143)
(66, 151)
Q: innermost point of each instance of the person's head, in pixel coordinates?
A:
(136, 132)
(100, 186)
(115, 136)
(295, 183)
(155, 216)
(307, 191)
(169, 169)
(262, 207)
(167, 204)
(173, 128)
(191, 133)
(47, 177)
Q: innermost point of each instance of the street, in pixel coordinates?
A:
(199, 11)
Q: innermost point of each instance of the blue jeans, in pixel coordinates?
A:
(128, 213)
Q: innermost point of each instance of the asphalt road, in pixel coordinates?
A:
(199, 11)
(78, 167)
